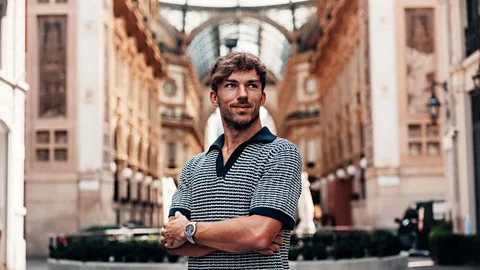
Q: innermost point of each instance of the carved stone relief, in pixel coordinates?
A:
(52, 54)
(420, 58)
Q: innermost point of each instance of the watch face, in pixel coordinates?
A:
(189, 229)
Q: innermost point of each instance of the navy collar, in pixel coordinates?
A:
(262, 136)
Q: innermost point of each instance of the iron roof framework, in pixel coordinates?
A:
(265, 30)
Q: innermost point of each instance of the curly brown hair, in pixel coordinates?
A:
(234, 62)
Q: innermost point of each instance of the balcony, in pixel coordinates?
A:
(302, 115)
(183, 120)
(472, 36)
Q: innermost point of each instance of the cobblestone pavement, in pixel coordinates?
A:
(37, 264)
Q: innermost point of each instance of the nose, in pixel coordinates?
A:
(242, 92)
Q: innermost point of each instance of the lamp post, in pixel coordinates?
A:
(476, 77)
(231, 43)
(434, 104)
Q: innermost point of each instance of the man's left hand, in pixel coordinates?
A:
(173, 234)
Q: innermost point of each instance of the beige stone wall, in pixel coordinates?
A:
(459, 145)
(103, 107)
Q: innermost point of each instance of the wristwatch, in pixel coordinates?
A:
(190, 230)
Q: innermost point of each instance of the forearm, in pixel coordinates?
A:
(191, 250)
(236, 235)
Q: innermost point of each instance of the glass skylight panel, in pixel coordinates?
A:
(302, 14)
(173, 16)
(256, 3)
(281, 16)
(194, 19)
(213, 3)
(245, 46)
(231, 3)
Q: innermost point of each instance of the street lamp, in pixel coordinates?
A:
(434, 104)
(476, 77)
(351, 170)
(341, 173)
(231, 43)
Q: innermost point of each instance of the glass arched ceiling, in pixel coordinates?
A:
(254, 36)
(231, 3)
(290, 14)
(260, 26)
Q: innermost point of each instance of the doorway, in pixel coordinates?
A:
(3, 187)
(476, 150)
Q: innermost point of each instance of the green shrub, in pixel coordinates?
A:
(321, 252)
(445, 247)
(326, 238)
(383, 243)
(308, 249)
(294, 251)
(343, 248)
(100, 248)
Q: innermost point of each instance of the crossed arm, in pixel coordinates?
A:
(238, 235)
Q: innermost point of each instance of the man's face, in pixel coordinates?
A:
(239, 98)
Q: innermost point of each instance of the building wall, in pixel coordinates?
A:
(12, 146)
(77, 108)
(460, 161)
(182, 133)
(412, 167)
(372, 101)
(51, 182)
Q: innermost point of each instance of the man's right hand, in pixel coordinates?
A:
(274, 247)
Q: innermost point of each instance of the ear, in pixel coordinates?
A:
(214, 98)
(264, 98)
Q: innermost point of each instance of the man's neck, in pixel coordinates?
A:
(233, 138)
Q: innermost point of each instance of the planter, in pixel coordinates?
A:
(387, 263)
(399, 262)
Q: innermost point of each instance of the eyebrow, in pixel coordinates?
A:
(235, 81)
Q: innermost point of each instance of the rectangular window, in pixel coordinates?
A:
(311, 151)
(42, 155)
(61, 155)
(171, 155)
(43, 137)
(117, 67)
(106, 74)
(61, 137)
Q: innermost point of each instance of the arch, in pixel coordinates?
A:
(4, 127)
(140, 156)
(116, 141)
(130, 146)
(228, 17)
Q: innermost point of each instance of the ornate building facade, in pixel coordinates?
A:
(13, 90)
(380, 151)
(460, 68)
(93, 129)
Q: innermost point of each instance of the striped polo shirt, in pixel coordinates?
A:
(261, 177)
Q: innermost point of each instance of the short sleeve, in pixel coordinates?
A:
(278, 191)
(181, 200)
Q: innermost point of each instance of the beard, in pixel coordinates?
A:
(237, 124)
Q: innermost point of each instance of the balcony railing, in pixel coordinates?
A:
(472, 37)
(303, 114)
(182, 117)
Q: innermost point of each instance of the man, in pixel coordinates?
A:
(236, 203)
